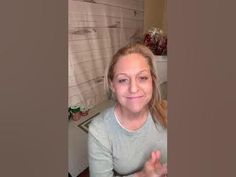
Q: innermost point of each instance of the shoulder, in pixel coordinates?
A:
(99, 128)
(100, 123)
(160, 128)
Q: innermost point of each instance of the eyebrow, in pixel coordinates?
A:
(140, 72)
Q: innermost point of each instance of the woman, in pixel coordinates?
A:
(130, 138)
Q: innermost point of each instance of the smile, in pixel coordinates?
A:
(134, 97)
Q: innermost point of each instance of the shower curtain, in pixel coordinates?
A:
(96, 30)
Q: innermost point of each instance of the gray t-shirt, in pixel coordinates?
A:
(115, 151)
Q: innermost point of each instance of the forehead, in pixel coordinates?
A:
(131, 62)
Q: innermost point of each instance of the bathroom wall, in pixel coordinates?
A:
(155, 14)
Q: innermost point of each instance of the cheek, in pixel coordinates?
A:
(149, 92)
(117, 89)
(148, 88)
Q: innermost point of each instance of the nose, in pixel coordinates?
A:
(133, 86)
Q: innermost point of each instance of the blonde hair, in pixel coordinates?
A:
(138, 48)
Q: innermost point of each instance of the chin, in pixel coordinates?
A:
(136, 108)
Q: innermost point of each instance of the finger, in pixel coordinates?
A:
(156, 157)
(158, 154)
(153, 157)
(165, 165)
(155, 160)
(161, 172)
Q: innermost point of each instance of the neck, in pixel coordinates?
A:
(130, 120)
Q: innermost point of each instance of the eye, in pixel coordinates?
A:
(143, 78)
(122, 81)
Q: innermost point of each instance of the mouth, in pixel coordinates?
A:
(134, 97)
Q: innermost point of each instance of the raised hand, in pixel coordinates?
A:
(153, 167)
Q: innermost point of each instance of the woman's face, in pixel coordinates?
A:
(132, 83)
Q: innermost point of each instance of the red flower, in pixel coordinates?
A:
(156, 41)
